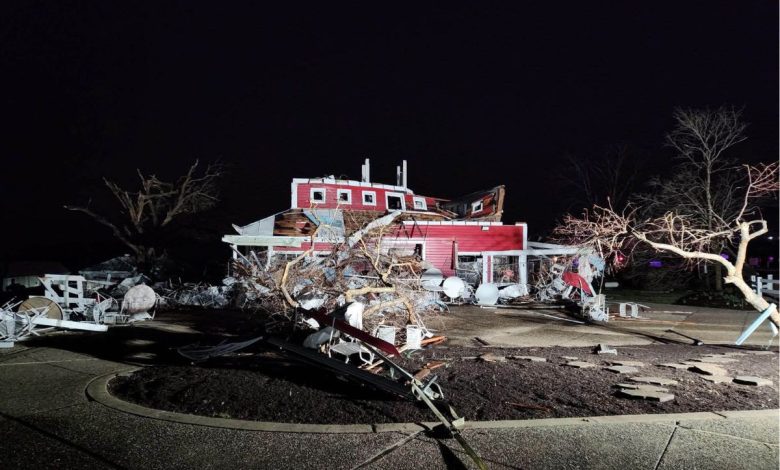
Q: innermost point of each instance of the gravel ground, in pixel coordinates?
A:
(268, 386)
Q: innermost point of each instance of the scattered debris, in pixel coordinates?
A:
(433, 341)
(604, 349)
(629, 309)
(580, 364)
(75, 303)
(708, 369)
(528, 358)
(645, 387)
(628, 363)
(481, 341)
(490, 357)
(570, 358)
(653, 380)
(750, 380)
(717, 378)
(197, 353)
(622, 369)
(649, 395)
(715, 360)
(675, 366)
(434, 364)
(18, 326)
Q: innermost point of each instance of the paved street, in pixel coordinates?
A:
(507, 327)
(48, 421)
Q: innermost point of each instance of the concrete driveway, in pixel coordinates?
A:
(516, 327)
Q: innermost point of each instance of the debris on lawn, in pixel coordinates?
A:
(73, 302)
(717, 378)
(708, 369)
(528, 358)
(622, 369)
(646, 394)
(580, 364)
(653, 380)
(197, 353)
(750, 380)
(604, 349)
(490, 357)
(628, 363)
(653, 388)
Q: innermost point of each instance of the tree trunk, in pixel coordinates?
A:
(758, 302)
(718, 278)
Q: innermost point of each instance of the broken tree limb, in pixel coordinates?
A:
(352, 293)
(283, 283)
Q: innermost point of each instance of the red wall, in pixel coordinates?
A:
(470, 238)
(331, 197)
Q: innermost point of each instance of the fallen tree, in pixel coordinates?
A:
(358, 269)
(616, 234)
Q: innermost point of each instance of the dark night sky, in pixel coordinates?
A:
(472, 96)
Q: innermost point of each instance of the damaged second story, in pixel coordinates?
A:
(463, 236)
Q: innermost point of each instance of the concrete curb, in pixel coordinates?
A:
(97, 390)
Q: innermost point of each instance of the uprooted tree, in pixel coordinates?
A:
(154, 205)
(615, 235)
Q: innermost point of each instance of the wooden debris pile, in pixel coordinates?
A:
(361, 268)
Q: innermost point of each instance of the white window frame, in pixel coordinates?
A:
(373, 196)
(314, 190)
(388, 195)
(477, 206)
(348, 192)
(422, 202)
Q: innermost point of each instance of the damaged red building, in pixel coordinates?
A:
(462, 236)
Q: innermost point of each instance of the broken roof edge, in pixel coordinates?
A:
(471, 195)
(240, 228)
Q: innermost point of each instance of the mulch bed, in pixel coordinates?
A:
(268, 386)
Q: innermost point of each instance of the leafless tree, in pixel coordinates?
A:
(616, 234)
(155, 204)
(704, 186)
(612, 177)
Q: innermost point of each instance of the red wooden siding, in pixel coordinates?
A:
(471, 239)
(331, 197)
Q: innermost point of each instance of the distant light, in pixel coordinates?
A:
(725, 255)
(771, 258)
(656, 263)
(770, 237)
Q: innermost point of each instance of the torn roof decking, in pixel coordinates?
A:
(343, 217)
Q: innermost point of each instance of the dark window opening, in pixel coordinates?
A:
(394, 203)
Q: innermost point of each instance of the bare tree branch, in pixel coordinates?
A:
(614, 234)
(156, 203)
